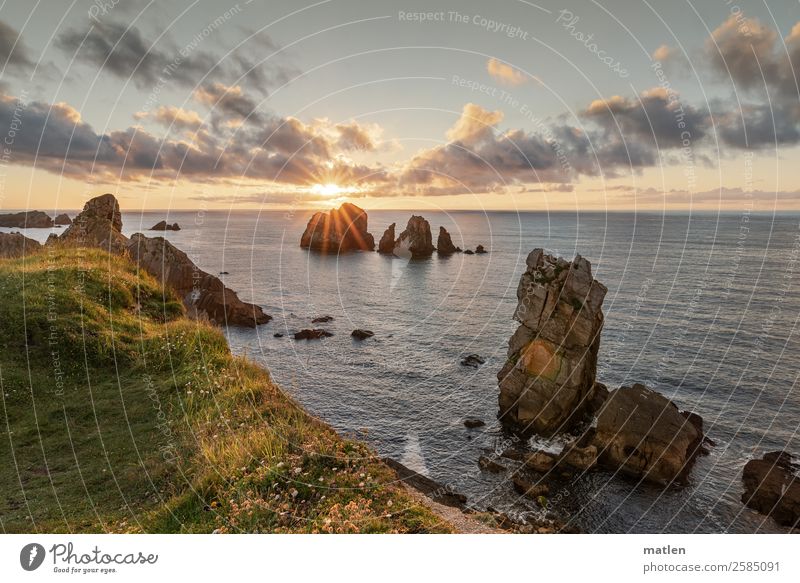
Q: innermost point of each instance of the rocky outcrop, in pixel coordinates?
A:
(386, 244)
(203, 294)
(360, 334)
(416, 239)
(552, 357)
(165, 226)
(26, 220)
(312, 334)
(479, 250)
(643, 434)
(473, 360)
(98, 225)
(63, 220)
(772, 487)
(444, 244)
(338, 231)
(17, 245)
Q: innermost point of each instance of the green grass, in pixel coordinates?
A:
(118, 414)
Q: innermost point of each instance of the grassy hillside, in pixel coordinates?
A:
(119, 414)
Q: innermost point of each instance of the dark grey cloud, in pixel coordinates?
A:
(124, 52)
(13, 53)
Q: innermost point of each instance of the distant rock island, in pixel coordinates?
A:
(165, 226)
(63, 220)
(26, 220)
(338, 231)
(345, 229)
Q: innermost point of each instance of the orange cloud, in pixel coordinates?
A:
(505, 74)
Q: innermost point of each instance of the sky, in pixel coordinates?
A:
(512, 105)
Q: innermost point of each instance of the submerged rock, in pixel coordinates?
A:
(165, 226)
(62, 219)
(489, 465)
(469, 252)
(203, 294)
(444, 244)
(552, 357)
(338, 231)
(472, 423)
(321, 319)
(26, 220)
(99, 224)
(772, 487)
(312, 334)
(642, 433)
(416, 239)
(360, 334)
(14, 245)
(472, 360)
(386, 244)
(530, 489)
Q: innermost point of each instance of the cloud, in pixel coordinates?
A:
(13, 53)
(125, 53)
(231, 101)
(474, 125)
(505, 74)
(173, 117)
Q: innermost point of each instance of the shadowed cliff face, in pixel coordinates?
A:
(338, 231)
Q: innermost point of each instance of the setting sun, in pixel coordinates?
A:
(329, 189)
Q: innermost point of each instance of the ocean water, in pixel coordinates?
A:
(702, 307)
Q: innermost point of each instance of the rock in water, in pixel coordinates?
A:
(338, 231)
(360, 334)
(312, 334)
(17, 245)
(479, 250)
(98, 225)
(641, 433)
(203, 294)
(552, 357)
(417, 238)
(62, 219)
(165, 226)
(26, 220)
(386, 245)
(444, 244)
(772, 487)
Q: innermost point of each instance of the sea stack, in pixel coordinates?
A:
(63, 220)
(416, 239)
(165, 226)
(338, 231)
(546, 382)
(772, 487)
(98, 225)
(444, 244)
(386, 244)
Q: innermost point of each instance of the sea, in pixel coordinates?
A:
(702, 307)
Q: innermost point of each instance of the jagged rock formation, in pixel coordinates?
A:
(416, 239)
(386, 244)
(17, 245)
(26, 220)
(165, 226)
(312, 334)
(772, 487)
(98, 225)
(552, 357)
(479, 250)
(204, 295)
(62, 219)
(641, 433)
(444, 244)
(338, 231)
